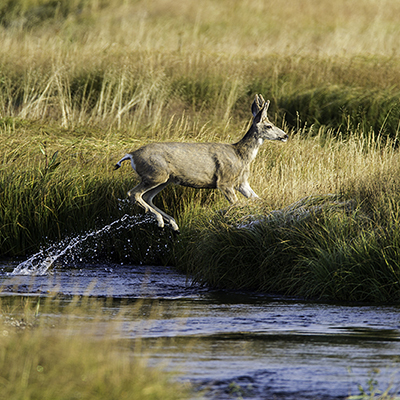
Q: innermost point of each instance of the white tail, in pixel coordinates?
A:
(200, 165)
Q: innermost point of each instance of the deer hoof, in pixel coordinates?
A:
(174, 226)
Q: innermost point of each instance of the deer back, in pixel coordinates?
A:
(197, 165)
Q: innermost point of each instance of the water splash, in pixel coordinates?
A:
(41, 262)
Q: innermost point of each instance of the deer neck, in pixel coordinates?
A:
(248, 146)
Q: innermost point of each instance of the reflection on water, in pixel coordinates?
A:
(239, 344)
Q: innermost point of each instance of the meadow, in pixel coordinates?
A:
(82, 82)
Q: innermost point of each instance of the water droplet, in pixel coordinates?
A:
(41, 262)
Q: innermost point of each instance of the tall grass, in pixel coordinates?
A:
(326, 252)
(135, 63)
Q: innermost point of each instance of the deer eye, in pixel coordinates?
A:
(269, 126)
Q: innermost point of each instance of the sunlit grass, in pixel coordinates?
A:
(139, 64)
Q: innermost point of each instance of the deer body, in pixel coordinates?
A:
(200, 165)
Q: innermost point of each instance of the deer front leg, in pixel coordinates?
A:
(247, 191)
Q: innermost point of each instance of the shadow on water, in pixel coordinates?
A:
(234, 345)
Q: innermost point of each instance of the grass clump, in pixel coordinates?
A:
(325, 248)
(44, 192)
(72, 359)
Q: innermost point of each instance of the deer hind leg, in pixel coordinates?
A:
(144, 193)
(136, 195)
(148, 198)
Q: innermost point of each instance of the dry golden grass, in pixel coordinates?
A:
(313, 165)
(258, 28)
(57, 350)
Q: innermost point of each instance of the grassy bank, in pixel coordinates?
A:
(341, 242)
(83, 82)
(48, 351)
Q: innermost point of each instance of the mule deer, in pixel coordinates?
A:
(200, 165)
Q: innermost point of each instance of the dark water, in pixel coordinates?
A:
(240, 345)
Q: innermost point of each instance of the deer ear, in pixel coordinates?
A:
(265, 110)
(257, 105)
(260, 101)
(254, 107)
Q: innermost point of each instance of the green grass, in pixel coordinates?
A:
(45, 196)
(325, 249)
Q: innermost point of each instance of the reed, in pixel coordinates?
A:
(129, 63)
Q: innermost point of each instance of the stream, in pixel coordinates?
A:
(235, 344)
